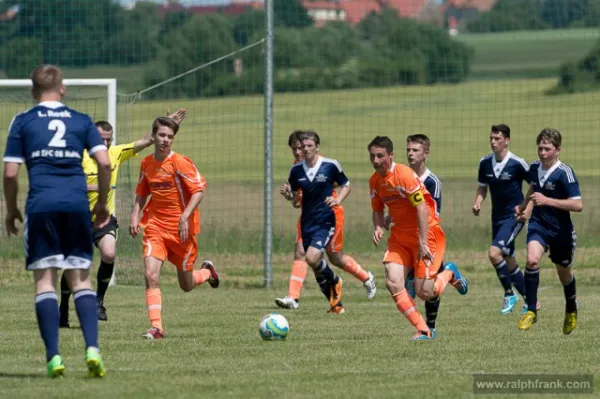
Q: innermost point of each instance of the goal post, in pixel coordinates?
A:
(110, 86)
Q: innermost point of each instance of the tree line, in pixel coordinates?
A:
(382, 50)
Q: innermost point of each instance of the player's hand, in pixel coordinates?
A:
(425, 254)
(9, 221)
(134, 226)
(177, 116)
(332, 201)
(520, 214)
(539, 199)
(476, 209)
(286, 191)
(183, 228)
(377, 235)
(387, 222)
(102, 215)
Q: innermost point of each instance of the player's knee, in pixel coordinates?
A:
(337, 258)
(108, 255)
(152, 278)
(495, 254)
(394, 285)
(425, 293)
(313, 260)
(533, 262)
(186, 286)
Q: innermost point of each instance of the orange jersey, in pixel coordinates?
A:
(401, 190)
(171, 183)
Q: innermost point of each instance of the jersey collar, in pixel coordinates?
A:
(543, 174)
(498, 167)
(51, 104)
(425, 175)
(312, 172)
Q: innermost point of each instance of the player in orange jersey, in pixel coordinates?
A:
(170, 220)
(299, 267)
(417, 239)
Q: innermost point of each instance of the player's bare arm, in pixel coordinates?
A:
(479, 197)
(184, 225)
(570, 204)
(520, 209)
(134, 223)
(104, 170)
(344, 192)
(423, 223)
(11, 188)
(146, 141)
(378, 224)
(286, 191)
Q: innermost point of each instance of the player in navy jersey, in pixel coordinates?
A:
(50, 138)
(316, 177)
(504, 173)
(553, 194)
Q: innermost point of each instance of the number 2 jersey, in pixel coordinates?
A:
(50, 138)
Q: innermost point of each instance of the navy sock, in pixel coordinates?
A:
(46, 310)
(105, 272)
(570, 296)
(85, 304)
(516, 276)
(504, 277)
(65, 294)
(532, 282)
(431, 310)
(325, 277)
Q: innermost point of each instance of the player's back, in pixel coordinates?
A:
(171, 183)
(505, 181)
(559, 182)
(50, 138)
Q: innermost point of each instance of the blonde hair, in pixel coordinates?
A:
(46, 78)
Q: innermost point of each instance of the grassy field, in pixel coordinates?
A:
(213, 348)
(527, 53)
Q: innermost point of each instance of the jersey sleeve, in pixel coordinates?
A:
(339, 176)
(143, 186)
(481, 179)
(124, 152)
(377, 204)
(93, 141)
(524, 171)
(408, 184)
(15, 151)
(434, 186)
(190, 177)
(569, 180)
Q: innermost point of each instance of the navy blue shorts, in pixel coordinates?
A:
(61, 240)
(504, 234)
(561, 245)
(318, 237)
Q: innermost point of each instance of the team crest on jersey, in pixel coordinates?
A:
(550, 186)
(321, 178)
(505, 176)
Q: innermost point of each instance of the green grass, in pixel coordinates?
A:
(527, 53)
(213, 348)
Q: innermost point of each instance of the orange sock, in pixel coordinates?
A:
(355, 269)
(200, 276)
(299, 269)
(154, 302)
(441, 280)
(408, 308)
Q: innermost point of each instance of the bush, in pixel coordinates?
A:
(580, 76)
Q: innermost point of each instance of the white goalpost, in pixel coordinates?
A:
(110, 85)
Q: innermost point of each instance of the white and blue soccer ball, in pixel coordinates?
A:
(273, 327)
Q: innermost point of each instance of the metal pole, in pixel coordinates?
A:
(268, 94)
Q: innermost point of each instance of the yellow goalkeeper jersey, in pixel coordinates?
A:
(117, 154)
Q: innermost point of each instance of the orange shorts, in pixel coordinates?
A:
(404, 251)
(298, 232)
(166, 246)
(336, 243)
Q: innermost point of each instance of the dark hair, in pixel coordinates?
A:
(551, 135)
(164, 121)
(420, 139)
(294, 137)
(104, 125)
(501, 128)
(46, 78)
(383, 142)
(309, 135)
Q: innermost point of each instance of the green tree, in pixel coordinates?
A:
(20, 56)
(561, 13)
(247, 24)
(291, 13)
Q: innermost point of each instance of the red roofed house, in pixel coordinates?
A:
(456, 11)
(353, 11)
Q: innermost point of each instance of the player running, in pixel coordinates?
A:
(170, 220)
(417, 239)
(504, 173)
(334, 249)
(553, 194)
(105, 239)
(50, 139)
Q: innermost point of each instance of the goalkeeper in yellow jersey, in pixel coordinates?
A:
(105, 238)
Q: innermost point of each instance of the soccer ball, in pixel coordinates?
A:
(273, 327)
